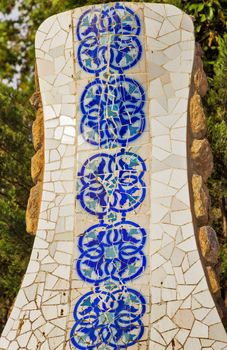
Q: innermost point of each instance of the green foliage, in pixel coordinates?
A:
(17, 34)
(8, 57)
(15, 156)
(223, 256)
(216, 104)
(6, 6)
(210, 25)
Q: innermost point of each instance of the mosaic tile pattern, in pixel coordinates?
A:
(112, 183)
(108, 39)
(108, 318)
(112, 253)
(115, 263)
(112, 111)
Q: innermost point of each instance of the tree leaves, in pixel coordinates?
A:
(15, 157)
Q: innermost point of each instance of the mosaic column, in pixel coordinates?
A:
(111, 184)
(115, 263)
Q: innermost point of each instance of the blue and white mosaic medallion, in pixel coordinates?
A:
(108, 318)
(109, 37)
(112, 252)
(111, 185)
(112, 111)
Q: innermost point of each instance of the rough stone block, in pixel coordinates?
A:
(35, 100)
(33, 207)
(37, 165)
(197, 117)
(200, 79)
(202, 158)
(38, 130)
(209, 244)
(214, 282)
(201, 200)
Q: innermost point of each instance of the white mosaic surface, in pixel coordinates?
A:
(180, 311)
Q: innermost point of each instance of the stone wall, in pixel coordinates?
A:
(201, 166)
(37, 164)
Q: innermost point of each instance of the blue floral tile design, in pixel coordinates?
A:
(112, 252)
(108, 319)
(110, 185)
(118, 19)
(112, 112)
(121, 54)
(108, 37)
